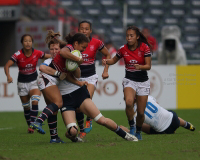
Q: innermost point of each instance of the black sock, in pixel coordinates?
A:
(34, 113)
(138, 129)
(27, 116)
(131, 123)
(52, 122)
(88, 119)
(80, 120)
(120, 132)
(48, 111)
(187, 125)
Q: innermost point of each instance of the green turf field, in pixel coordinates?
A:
(100, 144)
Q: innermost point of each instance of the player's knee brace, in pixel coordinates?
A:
(69, 127)
(35, 98)
(98, 117)
(26, 105)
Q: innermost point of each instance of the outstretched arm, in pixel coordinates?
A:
(105, 52)
(111, 61)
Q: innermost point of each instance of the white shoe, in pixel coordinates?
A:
(79, 139)
(130, 137)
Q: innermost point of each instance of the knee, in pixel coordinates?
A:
(140, 114)
(59, 104)
(129, 103)
(35, 99)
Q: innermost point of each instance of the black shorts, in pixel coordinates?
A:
(172, 128)
(73, 100)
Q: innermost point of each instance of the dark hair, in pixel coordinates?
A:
(85, 21)
(142, 38)
(79, 37)
(22, 38)
(52, 38)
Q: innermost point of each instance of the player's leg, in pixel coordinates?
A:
(26, 106)
(80, 120)
(186, 125)
(35, 98)
(52, 93)
(141, 105)
(129, 94)
(70, 123)
(89, 108)
(88, 124)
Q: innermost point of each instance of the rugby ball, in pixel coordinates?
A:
(71, 65)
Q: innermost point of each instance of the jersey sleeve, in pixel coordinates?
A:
(69, 47)
(147, 52)
(41, 54)
(47, 62)
(119, 54)
(101, 45)
(14, 57)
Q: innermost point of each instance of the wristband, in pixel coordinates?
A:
(57, 73)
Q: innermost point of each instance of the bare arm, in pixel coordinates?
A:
(46, 56)
(70, 78)
(7, 70)
(65, 53)
(147, 65)
(111, 61)
(105, 52)
(77, 73)
(53, 72)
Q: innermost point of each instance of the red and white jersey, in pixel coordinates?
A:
(134, 57)
(89, 55)
(59, 62)
(27, 65)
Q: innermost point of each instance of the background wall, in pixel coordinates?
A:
(173, 87)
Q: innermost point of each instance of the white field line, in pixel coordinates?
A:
(1, 129)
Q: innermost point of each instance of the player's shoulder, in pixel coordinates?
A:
(95, 40)
(122, 47)
(37, 51)
(17, 53)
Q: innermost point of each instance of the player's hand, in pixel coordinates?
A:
(62, 76)
(105, 75)
(82, 83)
(104, 62)
(9, 79)
(80, 61)
(137, 66)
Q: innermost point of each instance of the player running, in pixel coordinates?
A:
(26, 60)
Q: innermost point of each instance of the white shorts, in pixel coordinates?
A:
(141, 88)
(45, 80)
(24, 88)
(91, 80)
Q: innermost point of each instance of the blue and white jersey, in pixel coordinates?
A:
(156, 116)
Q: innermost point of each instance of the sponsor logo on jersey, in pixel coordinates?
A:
(133, 61)
(84, 55)
(139, 54)
(92, 47)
